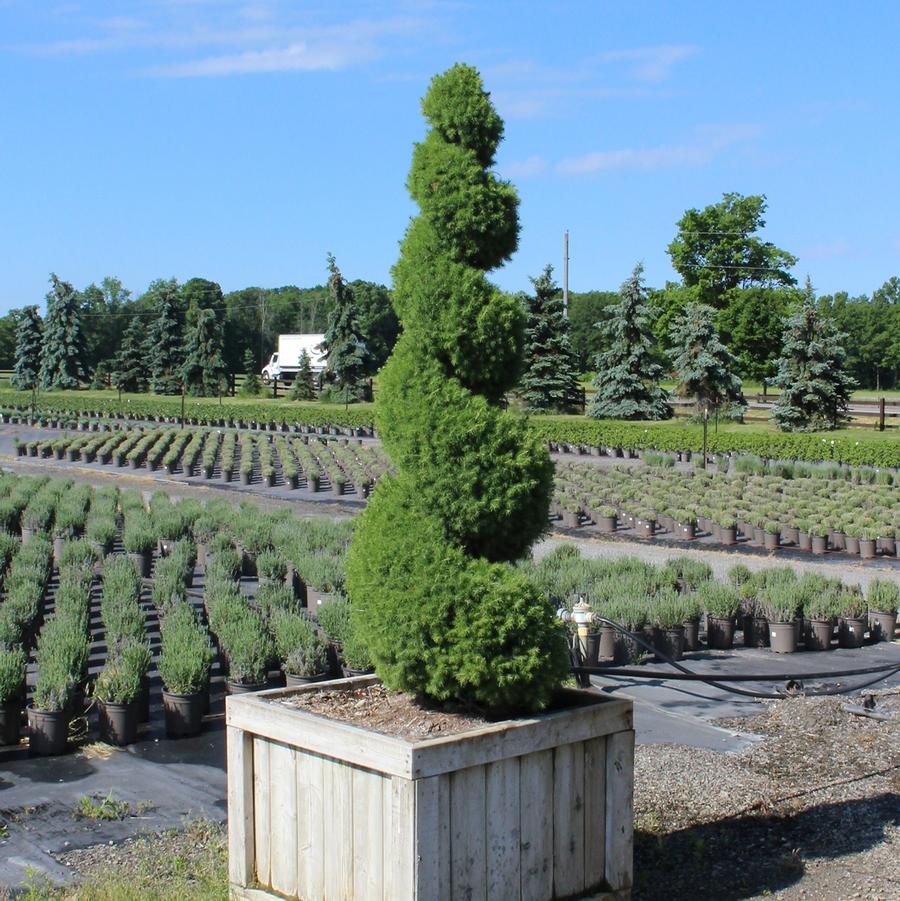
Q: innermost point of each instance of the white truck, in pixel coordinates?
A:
(285, 362)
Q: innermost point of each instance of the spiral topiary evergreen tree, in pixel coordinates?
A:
(433, 595)
(63, 339)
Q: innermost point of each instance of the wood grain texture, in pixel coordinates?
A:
(619, 809)
(241, 844)
(283, 814)
(536, 823)
(503, 832)
(568, 819)
(262, 827)
(594, 812)
(468, 854)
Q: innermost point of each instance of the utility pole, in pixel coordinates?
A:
(566, 274)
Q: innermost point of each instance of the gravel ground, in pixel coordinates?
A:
(811, 812)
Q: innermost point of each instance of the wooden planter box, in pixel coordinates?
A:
(537, 808)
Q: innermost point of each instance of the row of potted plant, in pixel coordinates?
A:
(670, 604)
(768, 510)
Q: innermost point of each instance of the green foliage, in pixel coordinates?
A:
(186, 654)
(550, 376)
(121, 679)
(627, 379)
(716, 249)
(63, 342)
(165, 343)
(883, 596)
(130, 364)
(705, 368)
(348, 358)
(815, 386)
(435, 601)
(299, 647)
(204, 368)
(304, 385)
(12, 675)
(586, 309)
(334, 617)
(252, 384)
(29, 339)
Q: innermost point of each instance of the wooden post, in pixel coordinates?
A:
(880, 414)
(705, 429)
(275, 388)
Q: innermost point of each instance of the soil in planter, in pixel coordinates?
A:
(394, 713)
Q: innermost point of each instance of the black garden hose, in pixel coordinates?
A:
(687, 675)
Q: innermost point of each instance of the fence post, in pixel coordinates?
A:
(880, 414)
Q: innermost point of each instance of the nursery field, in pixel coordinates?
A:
(72, 408)
(114, 607)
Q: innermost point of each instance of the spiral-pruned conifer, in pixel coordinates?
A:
(433, 594)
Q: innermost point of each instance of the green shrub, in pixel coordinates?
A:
(720, 601)
(301, 650)
(355, 653)
(186, 654)
(334, 617)
(435, 601)
(271, 566)
(272, 598)
(138, 536)
(883, 596)
(121, 679)
(12, 674)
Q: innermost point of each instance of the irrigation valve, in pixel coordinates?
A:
(582, 615)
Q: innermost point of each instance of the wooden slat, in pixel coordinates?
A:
(318, 809)
(427, 848)
(403, 826)
(503, 831)
(619, 809)
(321, 735)
(468, 862)
(594, 812)
(262, 829)
(389, 841)
(444, 835)
(568, 819)
(283, 819)
(536, 820)
(500, 741)
(304, 827)
(338, 830)
(368, 834)
(241, 847)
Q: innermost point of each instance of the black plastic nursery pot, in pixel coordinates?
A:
(720, 633)
(606, 647)
(818, 634)
(670, 642)
(183, 713)
(783, 637)
(48, 731)
(245, 478)
(351, 673)
(226, 475)
(293, 681)
(606, 523)
(771, 541)
(852, 632)
(119, 722)
(10, 723)
(804, 541)
(692, 634)
(243, 688)
(142, 561)
(727, 534)
(866, 548)
(818, 544)
(570, 519)
(851, 544)
(592, 649)
(756, 631)
(645, 527)
(883, 625)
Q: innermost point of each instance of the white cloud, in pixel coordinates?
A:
(534, 165)
(294, 57)
(653, 64)
(709, 142)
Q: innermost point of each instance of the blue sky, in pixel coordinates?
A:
(241, 141)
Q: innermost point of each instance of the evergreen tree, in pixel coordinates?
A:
(28, 350)
(348, 358)
(252, 384)
(815, 387)
(627, 378)
(63, 349)
(204, 367)
(550, 376)
(100, 377)
(304, 387)
(705, 367)
(433, 596)
(130, 364)
(166, 355)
